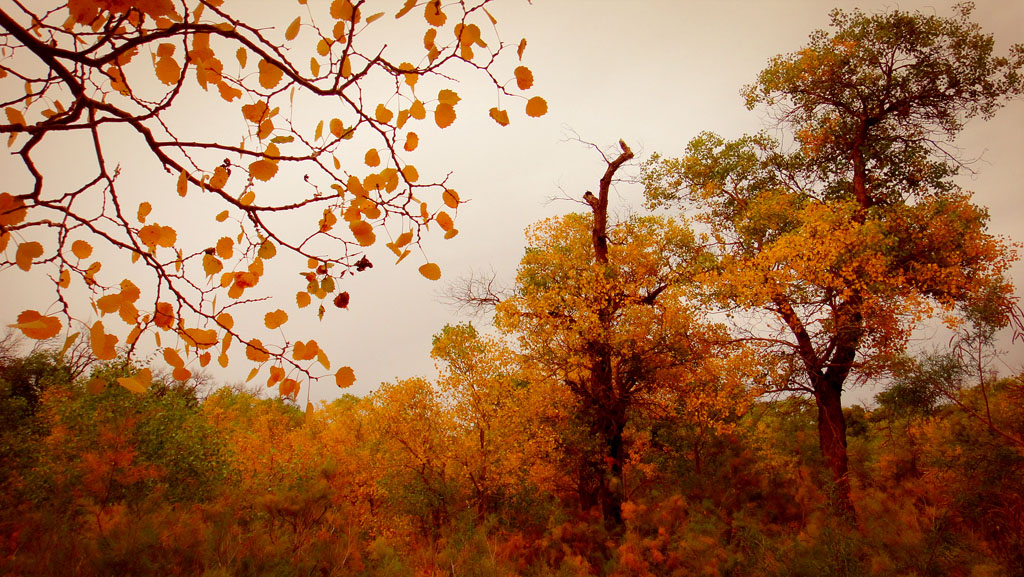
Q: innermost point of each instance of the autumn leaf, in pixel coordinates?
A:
(102, 343)
(431, 271)
(432, 12)
(36, 326)
(372, 158)
(81, 249)
(536, 107)
(450, 198)
(293, 29)
(219, 178)
(302, 299)
(255, 352)
(274, 319)
(12, 210)
(270, 74)
(27, 252)
(383, 114)
(345, 377)
(499, 116)
(524, 78)
(444, 115)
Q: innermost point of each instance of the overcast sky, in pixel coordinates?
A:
(654, 73)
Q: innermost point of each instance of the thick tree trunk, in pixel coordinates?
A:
(832, 440)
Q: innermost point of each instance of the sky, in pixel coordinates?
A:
(654, 73)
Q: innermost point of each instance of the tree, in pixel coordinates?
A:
(115, 81)
(845, 243)
(603, 310)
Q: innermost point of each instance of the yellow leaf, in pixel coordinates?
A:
(102, 343)
(132, 384)
(435, 17)
(417, 110)
(524, 78)
(267, 250)
(254, 351)
(451, 233)
(211, 265)
(27, 252)
(270, 74)
(12, 210)
(225, 247)
(363, 232)
(372, 158)
(275, 319)
(448, 97)
(15, 116)
(36, 326)
(499, 116)
(172, 358)
(444, 220)
(182, 183)
(144, 209)
(536, 107)
(81, 249)
(321, 358)
(412, 140)
(345, 377)
(263, 169)
(444, 115)
(383, 114)
(431, 271)
(309, 406)
(450, 198)
(293, 29)
(409, 5)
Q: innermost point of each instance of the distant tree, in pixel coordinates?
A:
(323, 113)
(845, 243)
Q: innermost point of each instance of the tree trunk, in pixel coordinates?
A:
(832, 440)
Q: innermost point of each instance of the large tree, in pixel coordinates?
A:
(290, 130)
(603, 310)
(845, 240)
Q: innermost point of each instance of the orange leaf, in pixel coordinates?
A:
(172, 358)
(446, 96)
(211, 265)
(36, 326)
(431, 271)
(383, 114)
(219, 178)
(302, 299)
(435, 17)
(144, 209)
(102, 343)
(263, 169)
(450, 198)
(275, 319)
(536, 107)
(412, 140)
(417, 110)
(524, 78)
(15, 116)
(522, 48)
(270, 74)
(410, 173)
(225, 247)
(444, 115)
(372, 158)
(27, 252)
(12, 210)
(163, 317)
(181, 374)
(254, 351)
(293, 29)
(499, 116)
(345, 377)
(81, 249)
(444, 220)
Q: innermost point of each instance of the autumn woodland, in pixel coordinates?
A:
(658, 392)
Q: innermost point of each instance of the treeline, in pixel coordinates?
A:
(477, 473)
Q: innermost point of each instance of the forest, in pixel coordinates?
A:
(659, 392)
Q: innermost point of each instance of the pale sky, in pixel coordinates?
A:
(654, 73)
